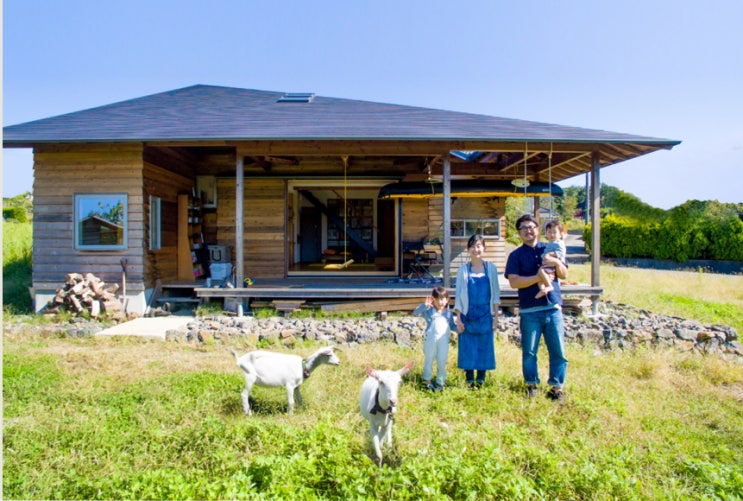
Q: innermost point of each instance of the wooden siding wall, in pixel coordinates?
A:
(479, 208)
(59, 173)
(415, 215)
(425, 218)
(264, 216)
(166, 183)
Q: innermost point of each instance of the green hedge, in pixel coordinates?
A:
(695, 230)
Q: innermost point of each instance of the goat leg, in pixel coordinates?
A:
(298, 397)
(375, 434)
(290, 398)
(388, 432)
(246, 403)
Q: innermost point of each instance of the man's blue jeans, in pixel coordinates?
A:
(534, 325)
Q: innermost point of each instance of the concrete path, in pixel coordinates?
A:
(576, 248)
(149, 328)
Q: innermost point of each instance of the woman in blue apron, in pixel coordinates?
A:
(476, 310)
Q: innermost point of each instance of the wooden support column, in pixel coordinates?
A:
(239, 223)
(447, 221)
(595, 224)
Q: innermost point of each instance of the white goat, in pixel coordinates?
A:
(378, 403)
(266, 368)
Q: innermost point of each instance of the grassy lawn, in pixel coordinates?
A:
(709, 298)
(132, 419)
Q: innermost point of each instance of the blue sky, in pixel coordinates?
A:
(658, 68)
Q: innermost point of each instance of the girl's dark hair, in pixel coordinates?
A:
(475, 239)
(440, 291)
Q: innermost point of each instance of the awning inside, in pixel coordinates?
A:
(467, 188)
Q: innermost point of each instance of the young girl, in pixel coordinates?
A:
(556, 247)
(440, 322)
(476, 309)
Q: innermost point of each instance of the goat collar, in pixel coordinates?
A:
(305, 370)
(378, 408)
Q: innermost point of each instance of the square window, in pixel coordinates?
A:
(101, 221)
(465, 228)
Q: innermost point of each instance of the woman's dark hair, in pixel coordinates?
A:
(474, 239)
(440, 291)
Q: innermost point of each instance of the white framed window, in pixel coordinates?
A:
(101, 221)
(155, 223)
(465, 228)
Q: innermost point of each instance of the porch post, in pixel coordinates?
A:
(595, 224)
(239, 229)
(447, 220)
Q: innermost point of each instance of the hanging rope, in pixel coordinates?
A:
(345, 209)
(526, 181)
(430, 179)
(549, 173)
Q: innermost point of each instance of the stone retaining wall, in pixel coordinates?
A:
(617, 327)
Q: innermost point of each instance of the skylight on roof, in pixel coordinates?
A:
(297, 97)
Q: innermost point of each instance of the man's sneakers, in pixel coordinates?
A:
(429, 386)
(556, 394)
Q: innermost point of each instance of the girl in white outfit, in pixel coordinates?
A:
(440, 322)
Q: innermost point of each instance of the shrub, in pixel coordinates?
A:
(16, 213)
(694, 230)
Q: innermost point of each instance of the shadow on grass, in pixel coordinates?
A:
(232, 406)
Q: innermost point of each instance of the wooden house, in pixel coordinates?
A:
(301, 189)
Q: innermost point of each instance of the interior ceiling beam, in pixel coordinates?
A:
(559, 160)
(499, 160)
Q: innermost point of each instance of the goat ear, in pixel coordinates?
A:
(371, 372)
(405, 369)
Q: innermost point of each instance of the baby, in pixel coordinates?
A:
(556, 248)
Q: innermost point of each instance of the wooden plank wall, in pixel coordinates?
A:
(469, 208)
(425, 218)
(264, 216)
(61, 171)
(480, 208)
(415, 215)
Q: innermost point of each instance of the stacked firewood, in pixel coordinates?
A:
(85, 294)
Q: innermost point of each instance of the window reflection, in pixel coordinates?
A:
(100, 221)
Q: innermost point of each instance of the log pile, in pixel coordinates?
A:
(87, 293)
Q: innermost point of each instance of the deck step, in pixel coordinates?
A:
(287, 305)
(171, 299)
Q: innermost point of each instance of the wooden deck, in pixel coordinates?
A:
(363, 292)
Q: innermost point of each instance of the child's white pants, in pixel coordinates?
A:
(436, 347)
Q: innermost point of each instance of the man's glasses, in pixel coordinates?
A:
(528, 228)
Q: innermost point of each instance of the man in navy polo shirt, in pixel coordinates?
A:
(539, 317)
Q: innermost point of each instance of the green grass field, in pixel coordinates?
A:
(135, 419)
(132, 419)
(706, 297)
